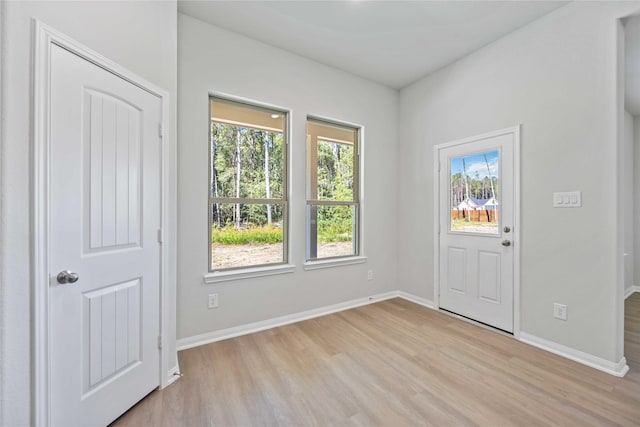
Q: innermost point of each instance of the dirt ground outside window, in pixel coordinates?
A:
(230, 256)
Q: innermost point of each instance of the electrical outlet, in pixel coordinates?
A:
(370, 275)
(213, 300)
(560, 311)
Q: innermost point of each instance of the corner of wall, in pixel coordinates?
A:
(636, 194)
(620, 191)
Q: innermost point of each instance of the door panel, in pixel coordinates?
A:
(489, 276)
(112, 147)
(457, 264)
(475, 210)
(104, 217)
(111, 346)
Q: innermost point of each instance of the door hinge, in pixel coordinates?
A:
(159, 342)
(160, 235)
(160, 131)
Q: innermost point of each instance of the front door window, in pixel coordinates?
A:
(475, 193)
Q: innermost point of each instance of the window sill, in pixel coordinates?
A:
(247, 273)
(336, 262)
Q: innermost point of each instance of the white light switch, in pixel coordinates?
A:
(567, 199)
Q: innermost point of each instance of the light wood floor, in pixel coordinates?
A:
(392, 363)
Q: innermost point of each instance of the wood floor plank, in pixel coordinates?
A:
(392, 363)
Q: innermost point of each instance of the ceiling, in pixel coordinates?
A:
(393, 43)
(632, 65)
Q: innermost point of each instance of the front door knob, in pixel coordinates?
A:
(67, 276)
(506, 243)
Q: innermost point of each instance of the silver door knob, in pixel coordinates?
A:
(506, 243)
(67, 276)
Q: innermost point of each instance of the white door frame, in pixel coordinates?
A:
(515, 131)
(44, 38)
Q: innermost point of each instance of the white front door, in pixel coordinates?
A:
(476, 225)
(104, 207)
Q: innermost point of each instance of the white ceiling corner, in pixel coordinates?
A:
(390, 42)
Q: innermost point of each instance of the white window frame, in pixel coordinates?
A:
(357, 257)
(252, 270)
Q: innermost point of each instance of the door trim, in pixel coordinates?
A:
(44, 37)
(515, 131)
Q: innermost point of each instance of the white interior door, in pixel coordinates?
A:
(476, 217)
(105, 203)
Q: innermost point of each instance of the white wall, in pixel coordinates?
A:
(557, 77)
(628, 204)
(212, 59)
(141, 36)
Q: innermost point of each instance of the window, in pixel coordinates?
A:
(475, 193)
(333, 199)
(247, 185)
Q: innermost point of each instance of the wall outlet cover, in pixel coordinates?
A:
(560, 311)
(213, 301)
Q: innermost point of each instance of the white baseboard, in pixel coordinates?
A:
(618, 369)
(630, 291)
(173, 375)
(416, 299)
(250, 328)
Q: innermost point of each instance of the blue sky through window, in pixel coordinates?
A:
(476, 165)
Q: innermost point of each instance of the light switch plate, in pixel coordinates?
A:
(567, 199)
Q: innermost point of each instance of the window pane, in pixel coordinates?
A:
(247, 158)
(246, 234)
(335, 231)
(475, 193)
(335, 171)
